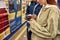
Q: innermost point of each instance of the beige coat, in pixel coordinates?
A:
(46, 26)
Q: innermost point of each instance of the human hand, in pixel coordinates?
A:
(29, 17)
(34, 16)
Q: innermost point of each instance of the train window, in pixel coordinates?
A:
(18, 5)
(11, 6)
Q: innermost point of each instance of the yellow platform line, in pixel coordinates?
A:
(21, 33)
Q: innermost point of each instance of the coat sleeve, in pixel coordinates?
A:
(52, 25)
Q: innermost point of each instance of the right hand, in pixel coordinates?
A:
(29, 17)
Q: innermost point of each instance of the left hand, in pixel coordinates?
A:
(34, 16)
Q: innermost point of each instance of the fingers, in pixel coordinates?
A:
(29, 21)
(29, 15)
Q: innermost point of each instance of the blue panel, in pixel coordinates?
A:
(15, 23)
(12, 24)
(18, 20)
(13, 27)
(12, 20)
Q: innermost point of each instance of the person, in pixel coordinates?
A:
(47, 24)
(59, 4)
(33, 8)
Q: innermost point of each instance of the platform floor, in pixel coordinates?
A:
(21, 34)
(24, 36)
